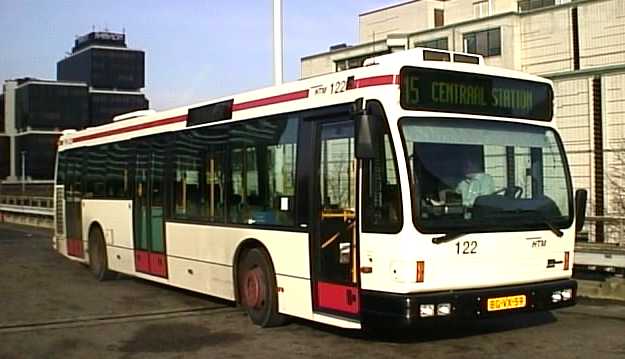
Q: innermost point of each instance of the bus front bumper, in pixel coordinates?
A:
(402, 310)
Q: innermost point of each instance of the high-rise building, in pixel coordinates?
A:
(113, 72)
(102, 60)
(100, 79)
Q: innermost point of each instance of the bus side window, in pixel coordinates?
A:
(381, 190)
(262, 178)
(117, 173)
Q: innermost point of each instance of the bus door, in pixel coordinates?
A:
(148, 208)
(334, 226)
(73, 206)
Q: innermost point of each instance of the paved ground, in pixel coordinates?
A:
(52, 308)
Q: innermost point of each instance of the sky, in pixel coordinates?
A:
(195, 50)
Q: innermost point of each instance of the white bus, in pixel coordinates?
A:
(422, 186)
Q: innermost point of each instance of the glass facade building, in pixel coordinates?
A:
(51, 106)
(39, 155)
(104, 106)
(99, 80)
(104, 68)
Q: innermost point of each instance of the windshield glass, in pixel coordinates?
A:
(475, 176)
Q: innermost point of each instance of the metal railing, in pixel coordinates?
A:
(27, 201)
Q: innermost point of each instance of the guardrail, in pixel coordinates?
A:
(27, 201)
(28, 210)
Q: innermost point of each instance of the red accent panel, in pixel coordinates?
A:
(142, 126)
(375, 81)
(338, 297)
(75, 248)
(158, 264)
(142, 261)
(270, 100)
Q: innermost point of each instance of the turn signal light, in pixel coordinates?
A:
(566, 261)
(420, 271)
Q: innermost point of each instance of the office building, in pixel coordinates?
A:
(100, 79)
(114, 73)
(580, 45)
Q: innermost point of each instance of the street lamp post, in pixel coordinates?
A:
(277, 42)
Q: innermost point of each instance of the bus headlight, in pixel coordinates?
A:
(443, 309)
(567, 294)
(556, 297)
(426, 310)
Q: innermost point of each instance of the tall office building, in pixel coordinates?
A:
(113, 72)
(100, 79)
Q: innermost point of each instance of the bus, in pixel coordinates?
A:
(422, 186)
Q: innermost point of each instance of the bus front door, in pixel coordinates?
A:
(148, 201)
(334, 219)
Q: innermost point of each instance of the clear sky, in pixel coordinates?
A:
(195, 50)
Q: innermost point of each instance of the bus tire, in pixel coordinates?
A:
(98, 261)
(258, 293)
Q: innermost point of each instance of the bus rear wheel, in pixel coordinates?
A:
(258, 293)
(97, 256)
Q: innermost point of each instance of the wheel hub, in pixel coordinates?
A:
(253, 292)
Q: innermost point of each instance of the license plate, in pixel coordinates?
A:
(503, 303)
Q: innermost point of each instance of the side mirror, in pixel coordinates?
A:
(365, 132)
(581, 196)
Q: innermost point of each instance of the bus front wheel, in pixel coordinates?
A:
(258, 293)
(97, 256)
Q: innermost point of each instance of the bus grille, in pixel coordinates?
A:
(59, 210)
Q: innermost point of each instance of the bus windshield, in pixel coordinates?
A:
(479, 176)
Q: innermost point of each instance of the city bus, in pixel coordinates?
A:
(422, 186)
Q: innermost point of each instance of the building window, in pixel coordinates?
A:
(526, 5)
(485, 43)
(439, 17)
(480, 8)
(354, 62)
(440, 43)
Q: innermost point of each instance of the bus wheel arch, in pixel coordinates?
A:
(255, 284)
(98, 260)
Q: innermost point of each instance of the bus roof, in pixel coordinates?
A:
(325, 90)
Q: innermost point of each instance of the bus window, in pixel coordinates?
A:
(381, 191)
(484, 176)
(199, 178)
(117, 174)
(95, 172)
(262, 157)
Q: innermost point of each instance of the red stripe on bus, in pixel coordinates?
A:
(375, 81)
(270, 100)
(142, 126)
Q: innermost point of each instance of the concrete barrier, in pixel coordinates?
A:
(612, 288)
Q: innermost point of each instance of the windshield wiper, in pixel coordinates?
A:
(543, 219)
(447, 237)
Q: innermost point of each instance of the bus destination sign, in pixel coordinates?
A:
(451, 91)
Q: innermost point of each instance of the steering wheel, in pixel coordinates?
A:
(511, 192)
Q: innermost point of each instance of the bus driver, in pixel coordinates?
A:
(475, 183)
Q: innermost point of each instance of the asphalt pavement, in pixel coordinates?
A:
(51, 307)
